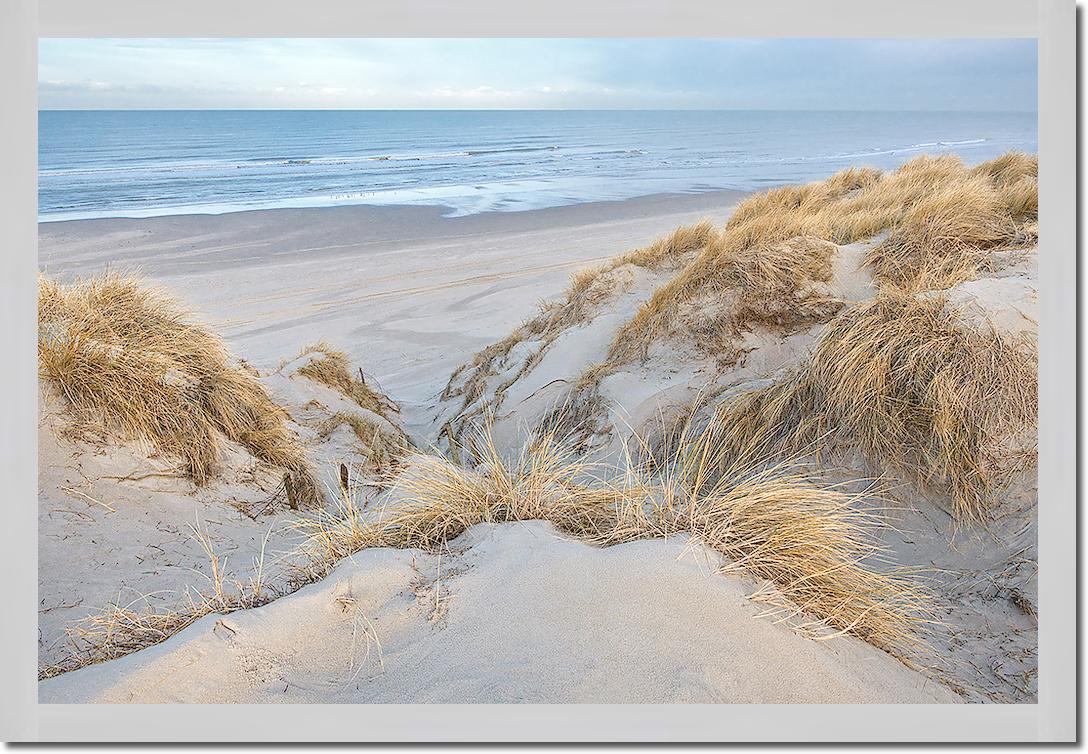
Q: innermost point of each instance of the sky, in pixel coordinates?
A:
(772, 74)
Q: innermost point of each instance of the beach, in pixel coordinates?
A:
(455, 458)
(406, 292)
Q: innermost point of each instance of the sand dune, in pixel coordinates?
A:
(472, 321)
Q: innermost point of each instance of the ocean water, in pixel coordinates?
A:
(143, 163)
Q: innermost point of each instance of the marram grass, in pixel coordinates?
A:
(942, 217)
(128, 360)
(817, 546)
(899, 378)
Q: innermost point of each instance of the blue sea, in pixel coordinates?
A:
(125, 163)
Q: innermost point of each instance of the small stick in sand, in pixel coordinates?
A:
(289, 488)
(344, 479)
(73, 491)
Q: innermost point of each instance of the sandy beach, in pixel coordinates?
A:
(407, 293)
(463, 459)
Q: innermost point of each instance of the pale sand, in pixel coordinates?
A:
(517, 613)
(533, 616)
(409, 295)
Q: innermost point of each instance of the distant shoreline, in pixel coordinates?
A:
(429, 211)
(391, 219)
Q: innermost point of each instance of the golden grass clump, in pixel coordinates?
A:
(671, 249)
(909, 386)
(128, 361)
(945, 238)
(815, 545)
(1021, 199)
(778, 289)
(1010, 167)
(121, 629)
(333, 368)
(783, 286)
(588, 290)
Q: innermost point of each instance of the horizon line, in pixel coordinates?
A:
(528, 109)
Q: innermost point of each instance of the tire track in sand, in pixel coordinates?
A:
(321, 306)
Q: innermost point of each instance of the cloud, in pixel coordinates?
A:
(843, 74)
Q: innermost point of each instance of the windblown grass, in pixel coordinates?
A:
(1011, 167)
(672, 249)
(779, 288)
(128, 361)
(946, 237)
(815, 545)
(943, 218)
(898, 376)
(914, 390)
(333, 368)
(587, 292)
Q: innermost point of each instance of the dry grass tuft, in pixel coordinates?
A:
(333, 368)
(771, 267)
(780, 287)
(128, 361)
(1021, 199)
(588, 290)
(945, 238)
(915, 391)
(1011, 167)
(671, 249)
(816, 546)
(121, 629)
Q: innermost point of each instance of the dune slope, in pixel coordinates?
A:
(513, 613)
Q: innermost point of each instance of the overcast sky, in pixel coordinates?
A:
(821, 74)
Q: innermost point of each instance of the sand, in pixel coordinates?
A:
(984, 577)
(510, 613)
(406, 293)
(515, 613)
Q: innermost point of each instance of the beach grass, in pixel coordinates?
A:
(916, 391)
(898, 378)
(815, 544)
(119, 629)
(383, 447)
(943, 218)
(130, 361)
(588, 291)
(333, 368)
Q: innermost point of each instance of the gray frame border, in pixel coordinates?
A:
(1053, 21)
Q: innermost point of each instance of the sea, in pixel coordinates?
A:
(143, 163)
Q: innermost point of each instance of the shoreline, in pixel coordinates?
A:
(448, 211)
(434, 212)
